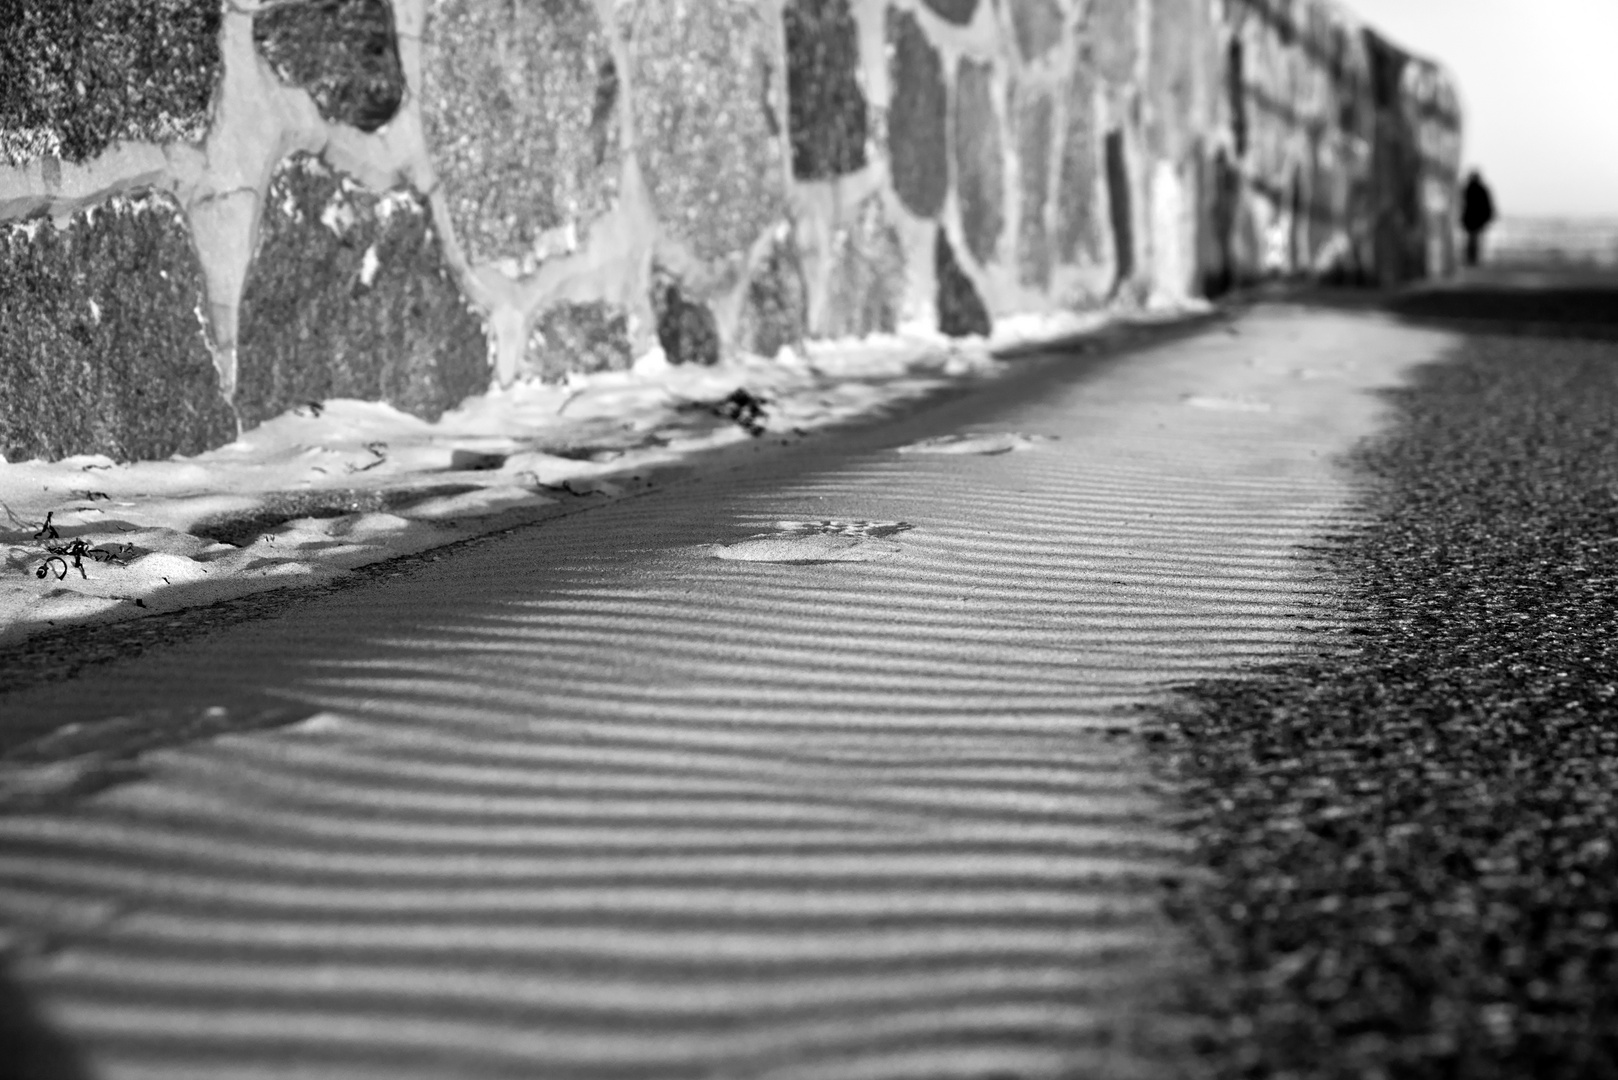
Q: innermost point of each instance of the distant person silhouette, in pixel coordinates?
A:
(1477, 210)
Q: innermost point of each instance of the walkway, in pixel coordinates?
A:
(589, 801)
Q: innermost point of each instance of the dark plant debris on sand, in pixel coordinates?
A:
(1412, 839)
(742, 407)
(61, 555)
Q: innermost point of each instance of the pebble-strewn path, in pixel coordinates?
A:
(591, 802)
(1416, 867)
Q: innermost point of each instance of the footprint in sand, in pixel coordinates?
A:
(816, 542)
(988, 442)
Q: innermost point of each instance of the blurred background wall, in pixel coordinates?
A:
(215, 210)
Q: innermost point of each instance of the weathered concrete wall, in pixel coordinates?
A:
(214, 210)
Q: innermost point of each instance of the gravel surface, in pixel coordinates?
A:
(1591, 309)
(1411, 833)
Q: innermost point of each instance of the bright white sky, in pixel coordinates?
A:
(1539, 85)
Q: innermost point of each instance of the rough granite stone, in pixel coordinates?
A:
(580, 338)
(917, 115)
(1035, 132)
(519, 103)
(960, 12)
(707, 119)
(1236, 94)
(827, 108)
(686, 329)
(1118, 208)
(960, 309)
(1177, 43)
(1111, 30)
(102, 345)
(868, 275)
(1078, 228)
(1038, 26)
(348, 296)
(979, 160)
(776, 313)
(78, 75)
(343, 52)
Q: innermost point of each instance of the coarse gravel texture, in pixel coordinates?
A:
(77, 76)
(1077, 226)
(709, 120)
(1110, 30)
(775, 313)
(980, 160)
(918, 117)
(519, 104)
(102, 350)
(582, 337)
(343, 52)
(348, 296)
(1118, 211)
(960, 12)
(1588, 310)
(1037, 25)
(826, 107)
(1414, 869)
(1036, 133)
(686, 328)
(961, 311)
(866, 290)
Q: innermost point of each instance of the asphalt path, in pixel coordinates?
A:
(1415, 872)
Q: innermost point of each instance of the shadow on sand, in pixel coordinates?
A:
(30, 1050)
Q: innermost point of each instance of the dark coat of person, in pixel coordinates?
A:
(1477, 205)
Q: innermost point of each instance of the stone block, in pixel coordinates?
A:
(1236, 94)
(519, 103)
(1111, 32)
(918, 157)
(959, 12)
(348, 296)
(1078, 224)
(1035, 135)
(1119, 212)
(686, 328)
(708, 123)
(960, 309)
(776, 311)
(102, 345)
(867, 275)
(979, 160)
(1037, 25)
(827, 108)
(1178, 40)
(78, 75)
(579, 338)
(343, 52)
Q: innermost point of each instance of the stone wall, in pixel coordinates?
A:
(1334, 152)
(215, 210)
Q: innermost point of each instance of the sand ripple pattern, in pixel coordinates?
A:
(581, 805)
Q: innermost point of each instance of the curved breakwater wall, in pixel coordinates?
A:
(215, 210)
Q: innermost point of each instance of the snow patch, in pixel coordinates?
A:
(352, 466)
